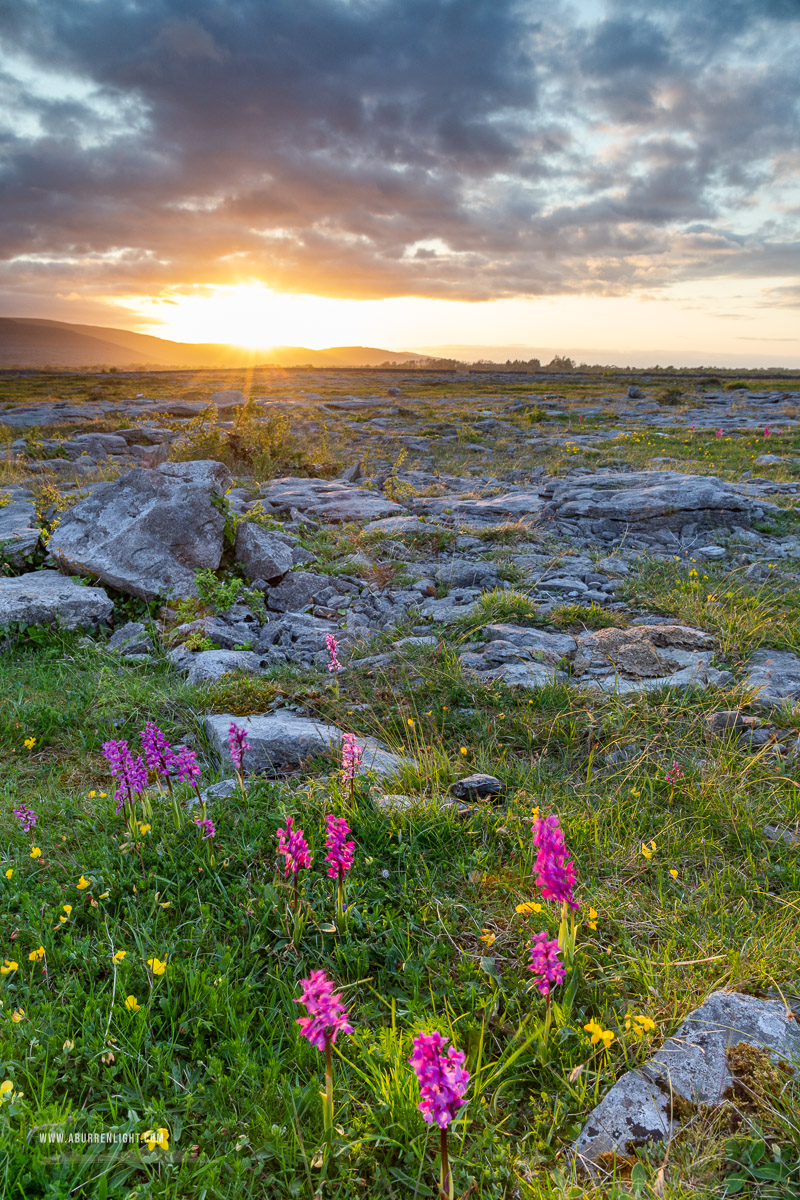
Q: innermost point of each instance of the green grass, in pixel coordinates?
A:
(213, 1054)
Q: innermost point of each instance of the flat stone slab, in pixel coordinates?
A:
(49, 598)
(148, 532)
(330, 500)
(776, 676)
(645, 501)
(282, 740)
(511, 506)
(19, 530)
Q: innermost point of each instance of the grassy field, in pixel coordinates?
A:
(681, 892)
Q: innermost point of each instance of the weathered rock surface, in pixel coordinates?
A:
(477, 787)
(612, 660)
(282, 740)
(147, 533)
(329, 500)
(48, 598)
(131, 638)
(207, 666)
(693, 1065)
(263, 555)
(19, 531)
(776, 676)
(607, 505)
(634, 1112)
(298, 592)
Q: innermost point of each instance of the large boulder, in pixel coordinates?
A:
(263, 555)
(147, 533)
(48, 598)
(282, 740)
(19, 531)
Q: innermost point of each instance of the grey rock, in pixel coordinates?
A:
(282, 740)
(460, 574)
(776, 833)
(261, 553)
(775, 674)
(19, 531)
(633, 1113)
(477, 787)
(131, 638)
(730, 721)
(48, 598)
(459, 603)
(529, 675)
(329, 500)
(634, 393)
(230, 398)
(551, 646)
(297, 592)
(147, 533)
(693, 1063)
(208, 666)
(609, 505)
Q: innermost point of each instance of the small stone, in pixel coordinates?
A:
(131, 638)
(477, 787)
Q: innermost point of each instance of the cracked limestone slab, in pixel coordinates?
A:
(49, 598)
(282, 740)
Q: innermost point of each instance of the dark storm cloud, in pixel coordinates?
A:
(461, 148)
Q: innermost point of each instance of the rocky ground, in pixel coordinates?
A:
(633, 554)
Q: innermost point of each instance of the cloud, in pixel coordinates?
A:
(457, 148)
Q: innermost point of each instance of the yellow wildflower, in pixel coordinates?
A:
(68, 910)
(463, 750)
(410, 722)
(132, 1004)
(104, 895)
(68, 1045)
(82, 883)
(120, 954)
(157, 1137)
(103, 795)
(530, 906)
(673, 873)
(639, 1024)
(18, 1015)
(144, 828)
(156, 966)
(8, 966)
(35, 852)
(92, 795)
(30, 743)
(649, 849)
(488, 937)
(591, 919)
(9, 872)
(598, 1034)
(7, 1091)
(35, 955)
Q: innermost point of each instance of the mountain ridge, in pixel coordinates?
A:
(39, 342)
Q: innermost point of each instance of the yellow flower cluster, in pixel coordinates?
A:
(598, 1034)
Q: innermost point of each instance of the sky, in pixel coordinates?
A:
(618, 180)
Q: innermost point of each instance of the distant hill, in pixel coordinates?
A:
(35, 342)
